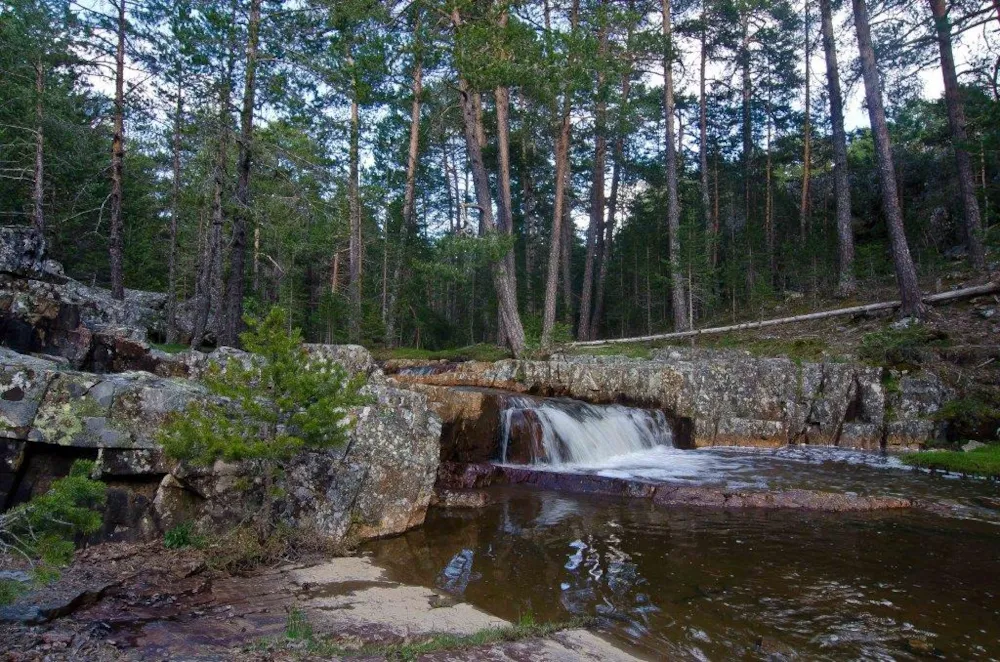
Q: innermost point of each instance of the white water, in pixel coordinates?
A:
(581, 434)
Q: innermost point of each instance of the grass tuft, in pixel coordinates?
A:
(984, 461)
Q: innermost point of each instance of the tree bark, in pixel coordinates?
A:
(706, 203)
(959, 137)
(806, 138)
(847, 284)
(116, 240)
(233, 318)
(746, 119)
(566, 254)
(678, 298)
(505, 214)
(906, 273)
(556, 236)
(38, 177)
(503, 281)
(208, 289)
(175, 207)
(354, 207)
(594, 229)
(530, 226)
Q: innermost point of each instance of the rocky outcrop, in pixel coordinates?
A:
(44, 312)
(453, 478)
(380, 482)
(725, 398)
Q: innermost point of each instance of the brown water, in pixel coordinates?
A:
(720, 585)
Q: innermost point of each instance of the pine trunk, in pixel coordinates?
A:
(678, 298)
(409, 202)
(232, 320)
(706, 202)
(116, 239)
(806, 139)
(175, 205)
(503, 280)
(847, 284)
(959, 137)
(38, 176)
(595, 240)
(354, 206)
(906, 273)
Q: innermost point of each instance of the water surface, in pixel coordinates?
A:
(718, 585)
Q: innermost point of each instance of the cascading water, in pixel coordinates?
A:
(560, 431)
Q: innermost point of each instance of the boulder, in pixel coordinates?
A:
(379, 483)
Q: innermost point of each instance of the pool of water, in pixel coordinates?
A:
(719, 585)
(796, 467)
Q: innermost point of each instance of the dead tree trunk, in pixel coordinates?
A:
(959, 137)
(847, 284)
(116, 239)
(906, 273)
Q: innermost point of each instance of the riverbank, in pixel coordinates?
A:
(121, 601)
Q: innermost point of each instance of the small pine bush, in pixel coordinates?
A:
(46, 527)
(269, 407)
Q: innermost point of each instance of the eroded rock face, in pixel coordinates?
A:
(43, 311)
(379, 483)
(732, 398)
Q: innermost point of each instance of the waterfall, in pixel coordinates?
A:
(561, 431)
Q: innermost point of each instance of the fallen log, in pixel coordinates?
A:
(988, 288)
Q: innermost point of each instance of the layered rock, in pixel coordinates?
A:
(724, 398)
(42, 311)
(380, 482)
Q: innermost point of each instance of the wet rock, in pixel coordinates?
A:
(470, 422)
(453, 476)
(460, 499)
(730, 397)
(60, 600)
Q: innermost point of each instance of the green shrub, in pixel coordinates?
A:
(46, 527)
(182, 536)
(900, 348)
(297, 626)
(10, 590)
(277, 402)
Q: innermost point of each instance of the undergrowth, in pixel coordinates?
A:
(903, 348)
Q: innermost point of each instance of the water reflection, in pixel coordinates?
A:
(707, 584)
